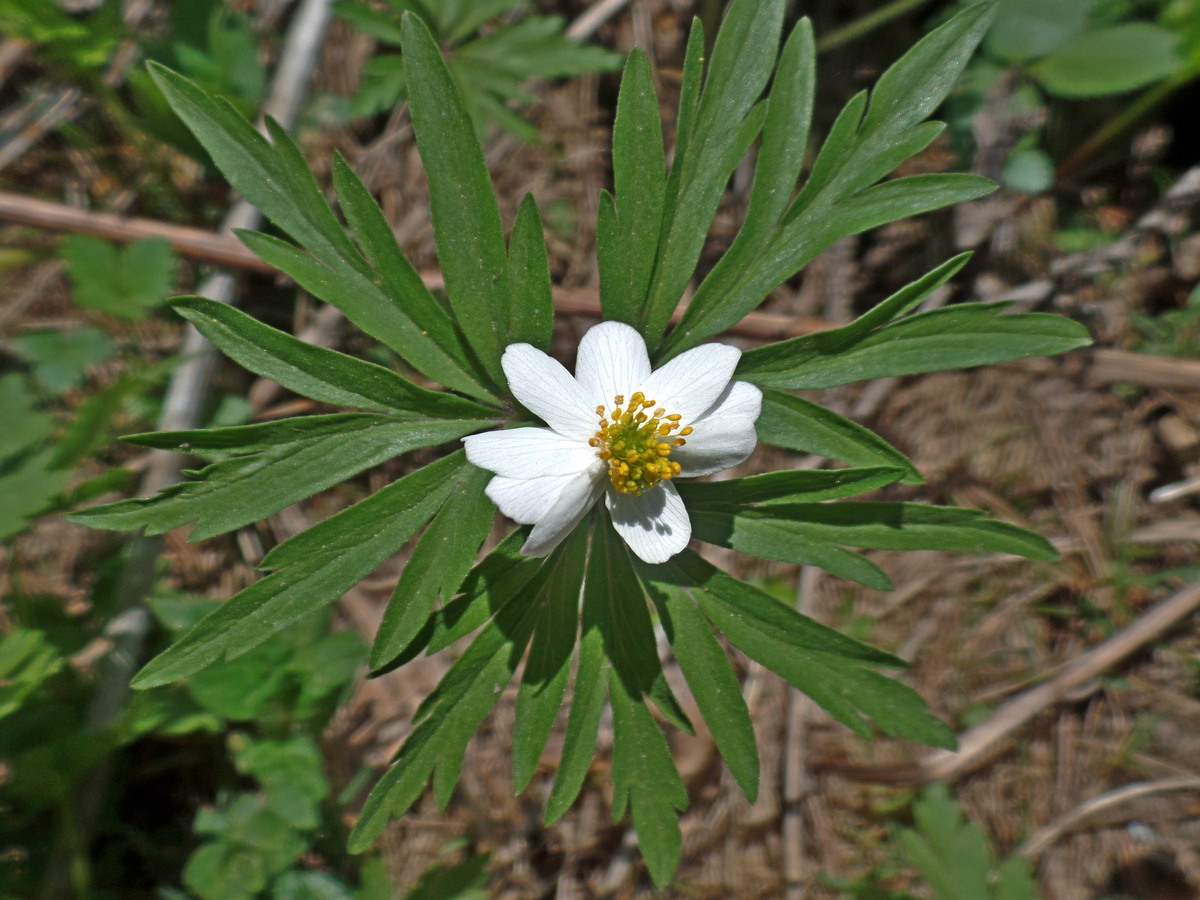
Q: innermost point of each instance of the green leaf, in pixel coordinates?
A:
(915, 85)
(785, 487)
(805, 427)
(953, 854)
(726, 122)
(1109, 61)
(502, 575)
(121, 281)
(275, 179)
(288, 461)
(589, 691)
(24, 426)
(437, 567)
(785, 355)
(784, 137)
(544, 681)
(712, 681)
(310, 570)
(400, 280)
(786, 542)
(639, 180)
(970, 334)
(366, 305)
(316, 372)
(61, 357)
(466, 219)
(819, 661)
(458, 705)
(865, 143)
(527, 281)
(645, 778)
(905, 526)
(26, 660)
(1027, 29)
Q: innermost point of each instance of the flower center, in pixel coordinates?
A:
(636, 443)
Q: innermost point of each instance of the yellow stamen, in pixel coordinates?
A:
(631, 440)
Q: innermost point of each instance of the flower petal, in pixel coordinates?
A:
(528, 453)
(560, 519)
(723, 436)
(655, 524)
(529, 500)
(548, 391)
(693, 381)
(612, 360)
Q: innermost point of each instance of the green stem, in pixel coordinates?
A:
(869, 22)
(1125, 118)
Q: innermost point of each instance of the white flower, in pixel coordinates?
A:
(617, 428)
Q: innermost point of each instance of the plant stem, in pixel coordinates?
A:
(867, 23)
(1124, 119)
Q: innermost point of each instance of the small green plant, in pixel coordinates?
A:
(953, 856)
(1173, 333)
(124, 281)
(493, 50)
(591, 460)
(1070, 49)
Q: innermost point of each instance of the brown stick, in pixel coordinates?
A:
(226, 250)
(978, 744)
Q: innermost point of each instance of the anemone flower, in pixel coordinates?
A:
(619, 429)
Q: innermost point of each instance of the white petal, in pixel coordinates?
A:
(529, 500)
(693, 381)
(655, 524)
(571, 505)
(612, 360)
(528, 453)
(723, 436)
(548, 391)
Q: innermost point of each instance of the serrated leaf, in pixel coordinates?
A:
(905, 526)
(645, 778)
(951, 854)
(316, 372)
(639, 182)
(829, 666)
(437, 567)
(401, 281)
(588, 693)
(502, 575)
(783, 541)
(310, 570)
(456, 708)
(866, 142)
(726, 122)
(785, 487)
(298, 458)
(916, 84)
(970, 334)
(466, 219)
(544, 681)
(366, 305)
(121, 281)
(805, 427)
(711, 678)
(527, 281)
(266, 176)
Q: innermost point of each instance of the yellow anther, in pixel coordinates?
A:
(688, 430)
(630, 440)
